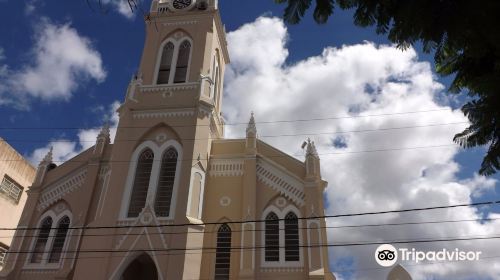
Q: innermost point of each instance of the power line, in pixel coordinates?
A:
(264, 220)
(277, 156)
(260, 136)
(263, 230)
(242, 123)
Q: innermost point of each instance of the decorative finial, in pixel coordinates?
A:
(251, 127)
(48, 156)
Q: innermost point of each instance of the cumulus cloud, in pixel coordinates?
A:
(60, 61)
(65, 149)
(401, 160)
(123, 7)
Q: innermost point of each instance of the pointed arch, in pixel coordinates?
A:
(223, 253)
(59, 239)
(272, 238)
(142, 267)
(41, 240)
(165, 189)
(292, 252)
(141, 183)
(166, 59)
(183, 58)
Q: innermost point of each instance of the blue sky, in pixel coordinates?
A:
(115, 40)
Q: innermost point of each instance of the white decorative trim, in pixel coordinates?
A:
(105, 176)
(281, 269)
(173, 66)
(155, 174)
(226, 167)
(281, 215)
(53, 193)
(173, 23)
(243, 232)
(169, 87)
(225, 201)
(173, 113)
(195, 170)
(280, 181)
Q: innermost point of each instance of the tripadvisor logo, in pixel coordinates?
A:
(387, 255)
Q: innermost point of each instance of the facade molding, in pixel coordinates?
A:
(166, 113)
(56, 191)
(280, 181)
(226, 167)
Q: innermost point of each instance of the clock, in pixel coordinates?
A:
(182, 4)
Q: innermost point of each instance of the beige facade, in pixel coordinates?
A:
(171, 198)
(16, 175)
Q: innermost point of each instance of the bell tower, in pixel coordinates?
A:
(170, 115)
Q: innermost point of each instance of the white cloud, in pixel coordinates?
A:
(123, 7)
(65, 149)
(60, 62)
(364, 79)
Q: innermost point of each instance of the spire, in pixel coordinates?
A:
(251, 127)
(104, 133)
(48, 157)
(312, 161)
(251, 143)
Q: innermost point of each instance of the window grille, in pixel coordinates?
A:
(223, 253)
(291, 237)
(182, 62)
(59, 240)
(141, 183)
(11, 190)
(166, 181)
(165, 64)
(3, 253)
(41, 242)
(272, 238)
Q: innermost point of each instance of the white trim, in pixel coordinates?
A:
(154, 177)
(226, 167)
(281, 215)
(56, 191)
(104, 193)
(195, 170)
(44, 264)
(175, 56)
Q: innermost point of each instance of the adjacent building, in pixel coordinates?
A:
(171, 198)
(16, 175)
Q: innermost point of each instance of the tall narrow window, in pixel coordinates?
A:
(182, 62)
(223, 253)
(291, 237)
(272, 237)
(41, 241)
(166, 183)
(141, 183)
(165, 64)
(3, 254)
(59, 240)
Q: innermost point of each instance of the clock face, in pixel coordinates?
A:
(181, 4)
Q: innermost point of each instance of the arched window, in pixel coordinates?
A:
(41, 241)
(291, 237)
(141, 183)
(182, 62)
(223, 253)
(166, 183)
(272, 238)
(59, 240)
(165, 64)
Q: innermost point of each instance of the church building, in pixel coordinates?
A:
(171, 198)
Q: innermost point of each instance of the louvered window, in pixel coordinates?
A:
(165, 64)
(182, 62)
(223, 253)
(41, 241)
(166, 181)
(10, 189)
(272, 236)
(141, 183)
(291, 237)
(59, 240)
(3, 253)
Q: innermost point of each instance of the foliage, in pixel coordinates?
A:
(465, 38)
